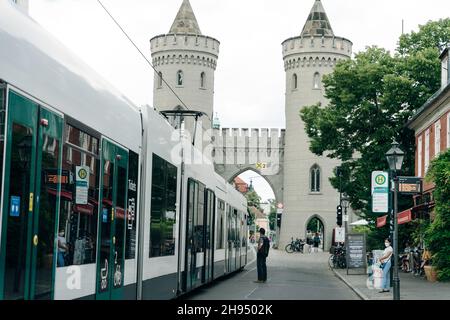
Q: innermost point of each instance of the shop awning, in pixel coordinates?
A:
(402, 218)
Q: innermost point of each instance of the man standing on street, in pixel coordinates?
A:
(263, 252)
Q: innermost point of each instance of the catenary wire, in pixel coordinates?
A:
(142, 54)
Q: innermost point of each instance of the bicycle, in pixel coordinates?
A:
(296, 245)
(337, 258)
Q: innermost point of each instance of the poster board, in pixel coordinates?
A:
(356, 253)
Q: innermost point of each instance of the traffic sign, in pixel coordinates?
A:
(380, 192)
(261, 165)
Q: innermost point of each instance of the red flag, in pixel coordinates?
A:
(381, 221)
(404, 217)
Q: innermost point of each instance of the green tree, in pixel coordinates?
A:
(272, 214)
(253, 199)
(437, 236)
(371, 97)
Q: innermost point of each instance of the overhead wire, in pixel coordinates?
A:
(148, 61)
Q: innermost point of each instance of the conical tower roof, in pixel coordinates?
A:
(317, 23)
(185, 21)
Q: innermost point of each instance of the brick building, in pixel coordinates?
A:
(431, 124)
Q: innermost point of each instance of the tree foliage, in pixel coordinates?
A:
(437, 236)
(371, 97)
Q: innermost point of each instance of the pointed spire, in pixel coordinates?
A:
(185, 21)
(317, 23)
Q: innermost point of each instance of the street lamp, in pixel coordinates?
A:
(394, 158)
(345, 202)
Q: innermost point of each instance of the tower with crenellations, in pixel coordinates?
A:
(186, 60)
(307, 190)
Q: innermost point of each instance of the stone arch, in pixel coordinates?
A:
(276, 191)
(323, 230)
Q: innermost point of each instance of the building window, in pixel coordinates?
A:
(315, 178)
(316, 80)
(180, 78)
(427, 150)
(202, 80)
(419, 156)
(163, 208)
(160, 80)
(294, 81)
(437, 138)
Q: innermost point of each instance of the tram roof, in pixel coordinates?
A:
(34, 61)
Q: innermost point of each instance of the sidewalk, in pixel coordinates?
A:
(411, 287)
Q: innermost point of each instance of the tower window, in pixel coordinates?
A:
(315, 178)
(160, 79)
(180, 78)
(202, 80)
(316, 80)
(294, 81)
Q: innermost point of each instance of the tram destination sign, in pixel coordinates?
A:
(409, 185)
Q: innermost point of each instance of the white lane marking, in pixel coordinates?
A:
(246, 297)
(254, 252)
(248, 272)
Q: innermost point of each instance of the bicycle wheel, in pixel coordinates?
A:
(330, 261)
(289, 248)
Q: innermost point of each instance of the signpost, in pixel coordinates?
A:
(409, 185)
(356, 252)
(380, 192)
(81, 184)
(339, 234)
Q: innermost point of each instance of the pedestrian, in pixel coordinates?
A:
(62, 248)
(261, 256)
(309, 237)
(316, 242)
(385, 261)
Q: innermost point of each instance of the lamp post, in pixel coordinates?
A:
(345, 204)
(394, 158)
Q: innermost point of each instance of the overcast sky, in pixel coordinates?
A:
(249, 87)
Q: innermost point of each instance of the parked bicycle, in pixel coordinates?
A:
(295, 246)
(338, 257)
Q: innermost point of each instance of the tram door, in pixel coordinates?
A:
(195, 230)
(231, 240)
(237, 245)
(209, 234)
(32, 182)
(112, 215)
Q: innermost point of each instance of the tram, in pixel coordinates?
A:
(93, 204)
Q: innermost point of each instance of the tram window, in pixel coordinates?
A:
(163, 208)
(220, 220)
(78, 221)
(2, 134)
(133, 174)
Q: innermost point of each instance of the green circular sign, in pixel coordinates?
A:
(380, 179)
(82, 174)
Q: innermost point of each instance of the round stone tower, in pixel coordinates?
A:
(186, 60)
(307, 190)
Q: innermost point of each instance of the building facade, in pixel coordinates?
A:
(307, 191)
(187, 60)
(431, 124)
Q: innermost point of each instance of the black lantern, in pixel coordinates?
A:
(395, 157)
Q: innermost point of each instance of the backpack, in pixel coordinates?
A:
(265, 247)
